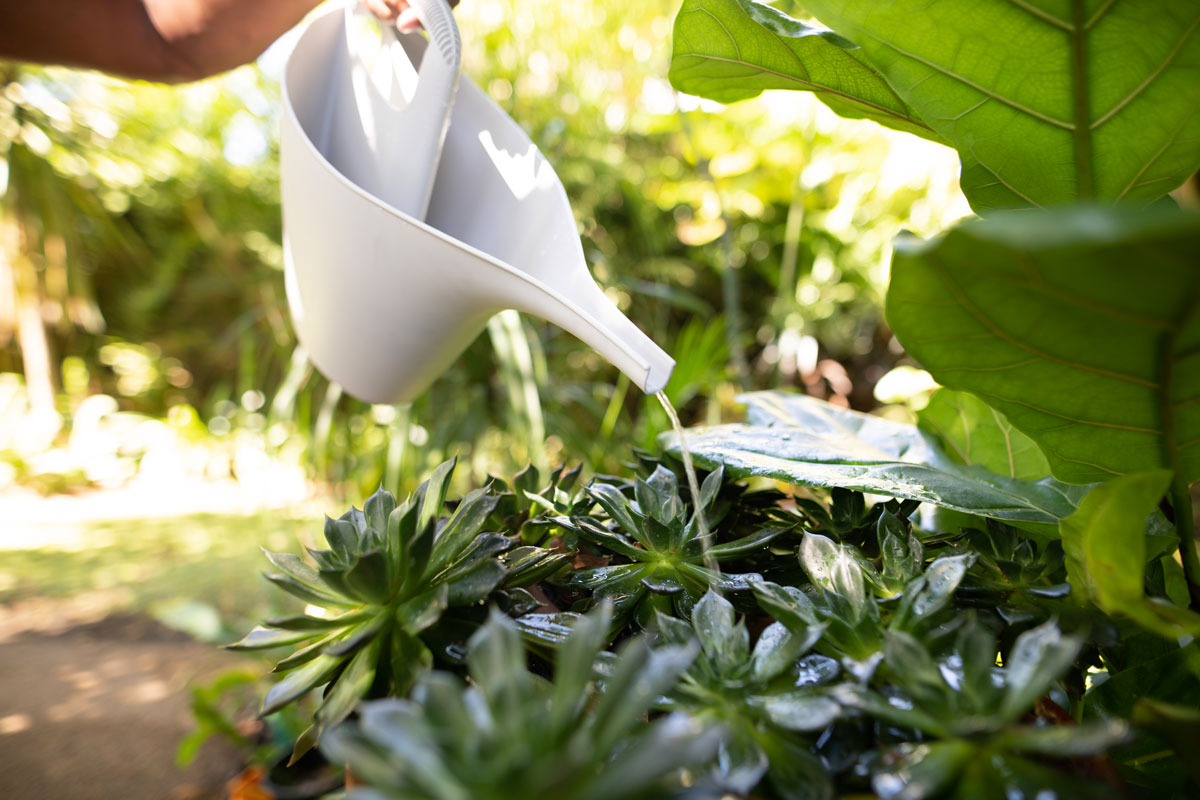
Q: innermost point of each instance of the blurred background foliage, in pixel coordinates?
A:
(141, 284)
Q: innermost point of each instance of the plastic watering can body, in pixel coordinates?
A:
(414, 208)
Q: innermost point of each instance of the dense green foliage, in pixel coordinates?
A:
(844, 647)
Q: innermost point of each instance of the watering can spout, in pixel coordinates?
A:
(588, 314)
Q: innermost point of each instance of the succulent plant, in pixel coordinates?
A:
(760, 698)
(389, 575)
(511, 734)
(971, 712)
(662, 562)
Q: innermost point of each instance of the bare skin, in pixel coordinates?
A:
(169, 41)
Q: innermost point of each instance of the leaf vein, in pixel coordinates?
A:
(991, 325)
(1149, 78)
(1024, 109)
(1044, 16)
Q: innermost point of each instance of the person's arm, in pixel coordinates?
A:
(158, 40)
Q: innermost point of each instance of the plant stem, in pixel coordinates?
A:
(1189, 548)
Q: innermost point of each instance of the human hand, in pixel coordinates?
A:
(398, 12)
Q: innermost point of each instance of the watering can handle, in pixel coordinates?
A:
(417, 134)
(438, 20)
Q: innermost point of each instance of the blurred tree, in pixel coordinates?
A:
(757, 236)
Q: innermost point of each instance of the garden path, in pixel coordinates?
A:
(94, 710)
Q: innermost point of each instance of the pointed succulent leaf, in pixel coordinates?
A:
(662, 584)
(496, 661)
(314, 648)
(474, 582)
(342, 536)
(1038, 658)
(711, 487)
(669, 744)
(529, 565)
(351, 686)
(898, 564)
(306, 741)
(573, 664)
(778, 648)
(659, 536)
(1066, 741)
(416, 551)
(486, 546)
(423, 610)
(672, 630)
(815, 670)
(358, 635)
(401, 729)
(462, 528)
(310, 625)
(547, 629)
(726, 643)
(401, 527)
(799, 710)
(976, 647)
(638, 678)
(378, 508)
(787, 604)
(261, 638)
(367, 577)
(596, 578)
(744, 546)
(914, 668)
(933, 591)
(299, 682)
(931, 769)
(741, 763)
(325, 559)
(869, 702)
(441, 695)
(833, 569)
(665, 487)
(294, 567)
(616, 505)
(409, 660)
(590, 530)
(307, 593)
(723, 581)
(432, 494)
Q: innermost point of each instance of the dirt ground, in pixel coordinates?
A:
(94, 709)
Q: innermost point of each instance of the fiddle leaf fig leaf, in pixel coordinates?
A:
(1042, 317)
(975, 433)
(1073, 127)
(729, 50)
(1105, 552)
(809, 442)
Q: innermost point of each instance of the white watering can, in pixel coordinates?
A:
(414, 209)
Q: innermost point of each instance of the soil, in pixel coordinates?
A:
(94, 710)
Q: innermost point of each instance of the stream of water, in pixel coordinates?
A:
(693, 484)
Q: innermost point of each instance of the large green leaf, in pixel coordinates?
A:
(975, 433)
(730, 50)
(1047, 101)
(1079, 325)
(809, 442)
(1105, 553)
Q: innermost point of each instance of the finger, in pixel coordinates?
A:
(408, 21)
(382, 9)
